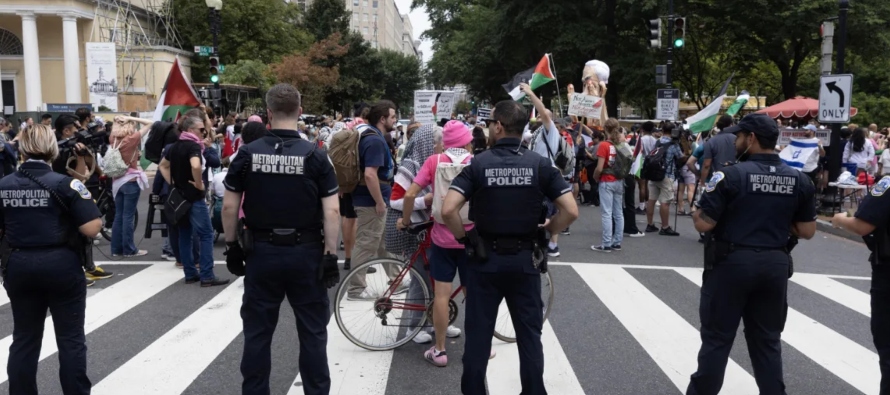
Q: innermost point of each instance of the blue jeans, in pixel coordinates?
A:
(611, 204)
(122, 229)
(198, 224)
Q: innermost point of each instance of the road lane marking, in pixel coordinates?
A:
(837, 291)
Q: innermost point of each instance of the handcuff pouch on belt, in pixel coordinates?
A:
(878, 242)
(715, 251)
(284, 237)
(245, 237)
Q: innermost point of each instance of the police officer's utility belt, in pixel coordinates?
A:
(730, 247)
(508, 245)
(287, 237)
(40, 247)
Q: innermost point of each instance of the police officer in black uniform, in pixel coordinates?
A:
(872, 222)
(755, 211)
(41, 214)
(292, 222)
(506, 186)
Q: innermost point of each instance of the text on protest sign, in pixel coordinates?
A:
(430, 106)
(586, 106)
(785, 136)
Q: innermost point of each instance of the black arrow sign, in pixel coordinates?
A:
(832, 87)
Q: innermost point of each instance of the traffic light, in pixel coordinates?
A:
(655, 33)
(214, 69)
(679, 32)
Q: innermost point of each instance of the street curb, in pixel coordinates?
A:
(825, 226)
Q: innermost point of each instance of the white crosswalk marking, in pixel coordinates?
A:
(208, 330)
(105, 306)
(844, 294)
(172, 362)
(671, 342)
(845, 358)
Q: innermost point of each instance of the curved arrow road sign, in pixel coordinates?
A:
(835, 94)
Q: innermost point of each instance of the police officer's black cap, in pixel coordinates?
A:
(759, 124)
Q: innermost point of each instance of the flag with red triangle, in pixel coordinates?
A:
(535, 77)
(177, 97)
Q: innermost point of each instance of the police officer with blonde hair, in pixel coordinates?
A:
(45, 216)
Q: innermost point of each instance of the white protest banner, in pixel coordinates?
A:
(785, 136)
(430, 106)
(582, 105)
(102, 75)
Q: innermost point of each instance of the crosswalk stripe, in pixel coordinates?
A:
(837, 291)
(105, 306)
(559, 377)
(841, 356)
(171, 363)
(668, 338)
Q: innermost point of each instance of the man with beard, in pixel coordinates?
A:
(755, 210)
(371, 196)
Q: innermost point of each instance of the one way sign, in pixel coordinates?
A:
(835, 94)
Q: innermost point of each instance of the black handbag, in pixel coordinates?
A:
(176, 208)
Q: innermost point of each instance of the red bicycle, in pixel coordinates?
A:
(383, 310)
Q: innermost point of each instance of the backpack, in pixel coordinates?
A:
(655, 164)
(162, 134)
(623, 162)
(445, 174)
(114, 164)
(345, 156)
(565, 155)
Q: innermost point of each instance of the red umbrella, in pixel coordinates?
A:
(797, 108)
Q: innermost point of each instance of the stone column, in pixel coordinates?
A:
(72, 59)
(33, 89)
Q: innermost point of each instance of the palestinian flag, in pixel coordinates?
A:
(534, 77)
(739, 103)
(177, 96)
(704, 120)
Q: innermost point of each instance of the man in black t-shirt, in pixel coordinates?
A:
(181, 167)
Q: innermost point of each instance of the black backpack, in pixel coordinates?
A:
(655, 164)
(162, 133)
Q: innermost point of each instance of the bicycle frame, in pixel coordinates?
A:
(420, 253)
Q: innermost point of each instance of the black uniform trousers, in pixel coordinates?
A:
(271, 273)
(751, 286)
(522, 291)
(38, 280)
(880, 321)
(630, 205)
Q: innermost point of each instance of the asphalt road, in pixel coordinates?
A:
(622, 323)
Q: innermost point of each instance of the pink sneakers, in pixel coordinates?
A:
(435, 357)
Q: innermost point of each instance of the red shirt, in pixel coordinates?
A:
(607, 151)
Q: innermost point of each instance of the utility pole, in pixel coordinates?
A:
(835, 157)
(670, 47)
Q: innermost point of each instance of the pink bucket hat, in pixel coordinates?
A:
(456, 135)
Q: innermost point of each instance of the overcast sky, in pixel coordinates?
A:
(420, 22)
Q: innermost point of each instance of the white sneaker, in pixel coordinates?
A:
(423, 337)
(452, 331)
(166, 257)
(638, 234)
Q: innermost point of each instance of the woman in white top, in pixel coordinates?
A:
(859, 151)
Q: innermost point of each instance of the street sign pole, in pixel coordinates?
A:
(835, 155)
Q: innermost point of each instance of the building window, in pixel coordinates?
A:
(365, 30)
(365, 17)
(374, 44)
(375, 18)
(375, 3)
(355, 3)
(10, 44)
(355, 17)
(365, 3)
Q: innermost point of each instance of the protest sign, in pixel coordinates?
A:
(582, 105)
(785, 136)
(431, 106)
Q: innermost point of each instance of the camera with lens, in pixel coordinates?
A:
(93, 137)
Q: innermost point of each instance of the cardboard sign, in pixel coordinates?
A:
(587, 106)
(431, 106)
(785, 136)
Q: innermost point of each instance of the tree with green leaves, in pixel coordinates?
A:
(262, 30)
(402, 76)
(361, 75)
(326, 17)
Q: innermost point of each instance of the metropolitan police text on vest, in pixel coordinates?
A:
(277, 164)
(510, 176)
(25, 198)
(766, 183)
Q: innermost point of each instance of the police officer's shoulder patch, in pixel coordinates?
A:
(881, 187)
(715, 179)
(81, 189)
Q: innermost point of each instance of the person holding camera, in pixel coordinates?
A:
(128, 180)
(46, 218)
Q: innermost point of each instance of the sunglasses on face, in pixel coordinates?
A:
(489, 122)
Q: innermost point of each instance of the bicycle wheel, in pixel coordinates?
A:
(503, 326)
(375, 318)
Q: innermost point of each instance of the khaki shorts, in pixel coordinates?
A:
(663, 190)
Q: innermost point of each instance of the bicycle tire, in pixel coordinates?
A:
(341, 294)
(547, 308)
(106, 232)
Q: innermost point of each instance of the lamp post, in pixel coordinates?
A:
(215, 6)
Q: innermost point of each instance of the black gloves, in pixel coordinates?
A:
(474, 246)
(328, 272)
(234, 258)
